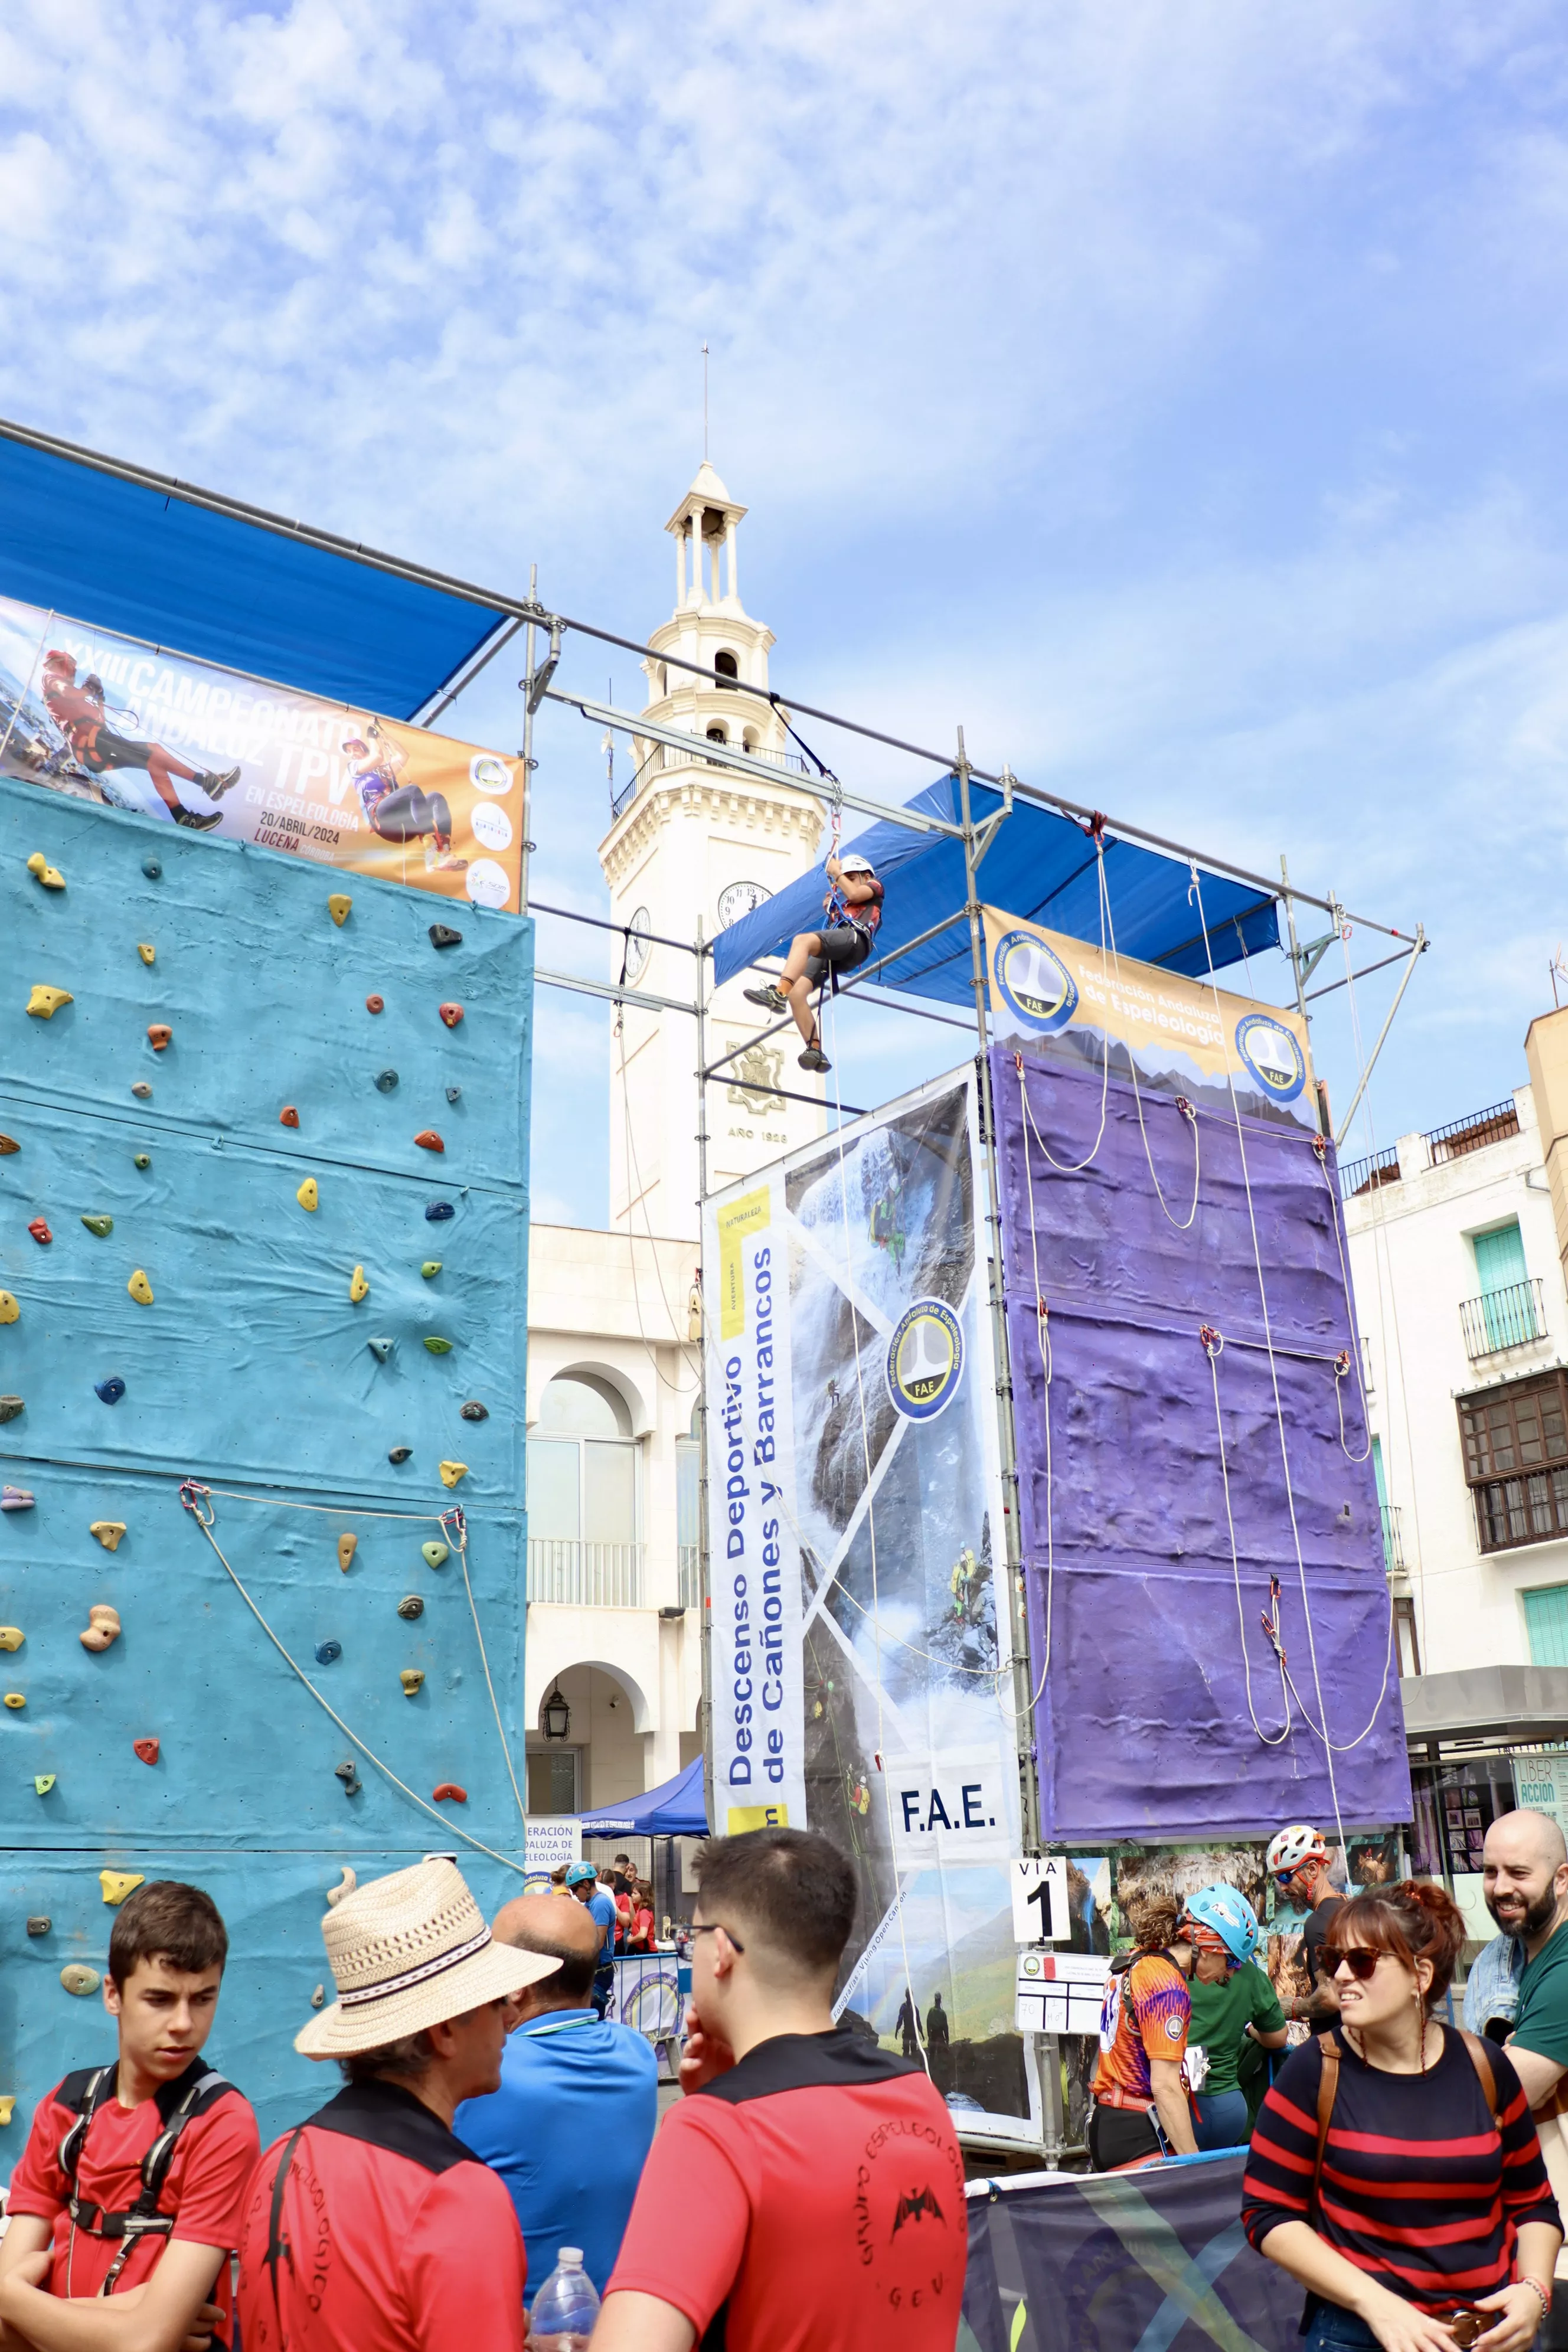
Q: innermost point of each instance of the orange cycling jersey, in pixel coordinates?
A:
(1146, 2015)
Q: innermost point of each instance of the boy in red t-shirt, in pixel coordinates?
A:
(90, 2158)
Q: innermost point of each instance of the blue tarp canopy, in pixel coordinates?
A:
(675, 1808)
(1041, 866)
(124, 550)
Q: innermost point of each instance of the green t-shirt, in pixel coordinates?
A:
(1540, 2023)
(1221, 2015)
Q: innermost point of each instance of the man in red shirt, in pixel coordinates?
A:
(808, 2192)
(103, 2203)
(371, 2228)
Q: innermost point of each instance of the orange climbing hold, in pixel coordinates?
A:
(147, 1750)
(450, 1014)
(9, 1143)
(375, 1004)
(428, 1140)
(158, 1034)
(450, 1789)
(41, 1231)
(102, 1628)
(287, 1116)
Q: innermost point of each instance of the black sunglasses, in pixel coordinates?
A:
(711, 1927)
(1362, 1964)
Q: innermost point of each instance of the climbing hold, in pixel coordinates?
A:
(141, 1159)
(110, 1389)
(15, 1701)
(411, 1606)
(435, 1554)
(49, 876)
(428, 1140)
(16, 1498)
(42, 1783)
(347, 1547)
(158, 1034)
(475, 1411)
(399, 1453)
(151, 868)
(450, 1014)
(349, 1880)
(318, 1996)
(381, 1349)
(8, 1144)
(454, 1094)
(7, 2106)
(449, 1789)
(348, 1773)
(40, 1231)
(141, 1290)
(437, 1346)
(431, 1268)
(11, 1637)
(375, 1004)
(147, 1750)
(287, 1116)
(328, 1653)
(103, 1627)
(142, 1090)
(338, 907)
(9, 1310)
(442, 935)
(453, 1473)
(39, 1924)
(358, 1286)
(308, 1194)
(413, 1679)
(438, 1210)
(45, 1002)
(80, 1980)
(146, 950)
(108, 1532)
(385, 1080)
(101, 1226)
(118, 1884)
(10, 1406)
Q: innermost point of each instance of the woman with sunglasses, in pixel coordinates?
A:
(1394, 2168)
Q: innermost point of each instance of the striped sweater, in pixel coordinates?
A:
(1420, 2188)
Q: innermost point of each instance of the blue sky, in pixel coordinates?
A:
(1171, 392)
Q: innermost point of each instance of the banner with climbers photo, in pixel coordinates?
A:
(1057, 998)
(134, 727)
(861, 1676)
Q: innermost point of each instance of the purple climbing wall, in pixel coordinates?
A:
(1146, 1726)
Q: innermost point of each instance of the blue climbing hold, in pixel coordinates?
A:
(386, 1080)
(151, 868)
(453, 1093)
(111, 1390)
(381, 1349)
(327, 1651)
(439, 1209)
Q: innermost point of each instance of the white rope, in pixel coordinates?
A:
(641, 1198)
(461, 1531)
(1182, 1105)
(1078, 1166)
(1354, 1351)
(1269, 1740)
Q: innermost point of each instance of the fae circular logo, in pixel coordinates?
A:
(489, 775)
(1034, 983)
(1271, 1056)
(1175, 2028)
(925, 1360)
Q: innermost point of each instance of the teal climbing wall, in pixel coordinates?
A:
(250, 1370)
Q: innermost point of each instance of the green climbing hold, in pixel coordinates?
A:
(431, 1268)
(98, 1225)
(142, 1159)
(438, 1347)
(435, 1554)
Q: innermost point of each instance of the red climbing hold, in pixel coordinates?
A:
(450, 1014)
(147, 1750)
(41, 1231)
(375, 1004)
(287, 1116)
(158, 1034)
(428, 1140)
(450, 1788)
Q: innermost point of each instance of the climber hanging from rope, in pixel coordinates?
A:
(853, 905)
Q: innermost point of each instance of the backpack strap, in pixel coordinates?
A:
(1481, 2059)
(278, 2246)
(178, 2102)
(82, 2094)
(1328, 2092)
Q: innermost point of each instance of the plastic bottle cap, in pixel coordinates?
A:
(569, 2253)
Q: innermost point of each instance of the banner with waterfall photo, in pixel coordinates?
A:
(861, 1672)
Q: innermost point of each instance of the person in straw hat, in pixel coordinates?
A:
(372, 2227)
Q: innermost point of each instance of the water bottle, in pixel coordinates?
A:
(566, 2308)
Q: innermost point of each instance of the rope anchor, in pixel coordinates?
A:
(1341, 1363)
(1185, 1107)
(194, 1496)
(1210, 1341)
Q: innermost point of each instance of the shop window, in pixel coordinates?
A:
(1515, 1441)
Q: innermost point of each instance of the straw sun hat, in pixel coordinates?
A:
(409, 1951)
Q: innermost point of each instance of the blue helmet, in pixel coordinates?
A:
(1229, 1915)
(581, 1870)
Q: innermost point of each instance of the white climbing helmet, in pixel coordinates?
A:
(853, 863)
(1292, 1847)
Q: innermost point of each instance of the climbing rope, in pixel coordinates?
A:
(1344, 1359)
(198, 1500)
(1077, 1167)
(1212, 1345)
(455, 1524)
(1183, 1106)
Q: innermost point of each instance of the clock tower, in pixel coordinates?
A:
(693, 841)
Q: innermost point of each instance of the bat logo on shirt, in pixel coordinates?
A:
(912, 2208)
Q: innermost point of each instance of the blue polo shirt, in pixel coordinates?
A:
(601, 1907)
(568, 2132)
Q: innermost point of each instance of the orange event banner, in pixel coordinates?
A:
(104, 718)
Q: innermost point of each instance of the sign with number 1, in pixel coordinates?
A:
(1040, 1885)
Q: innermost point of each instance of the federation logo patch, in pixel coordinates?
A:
(1175, 2028)
(1034, 983)
(1271, 1056)
(925, 1360)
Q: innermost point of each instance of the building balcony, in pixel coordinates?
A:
(1392, 1541)
(1499, 1319)
(690, 1559)
(572, 1574)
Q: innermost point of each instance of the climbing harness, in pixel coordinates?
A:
(178, 2102)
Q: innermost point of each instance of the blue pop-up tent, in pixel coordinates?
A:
(675, 1808)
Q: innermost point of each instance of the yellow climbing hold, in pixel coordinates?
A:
(9, 1310)
(118, 1884)
(108, 1532)
(146, 950)
(347, 1547)
(309, 1196)
(45, 1002)
(14, 1699)
(452, 1471)
(411, 1678)
(36, 863)
(11, 1637)
(42, 1783)
(79, 1979)
(49, 876)
(141, 1290)
(7, 2106)
(338, 907)
(358, 1286)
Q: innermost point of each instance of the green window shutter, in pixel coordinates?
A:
(1499, 1258)
(1546, 1624)
(1377, 1472)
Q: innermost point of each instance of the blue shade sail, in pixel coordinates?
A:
(675, 1808)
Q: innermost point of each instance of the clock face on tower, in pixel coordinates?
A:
(740, 898)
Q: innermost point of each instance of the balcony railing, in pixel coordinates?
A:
(690, 1558)
(1369, 1175)
(1508, 1317)
(585, 1575)
(1473, 1133)
(1393, 1542)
